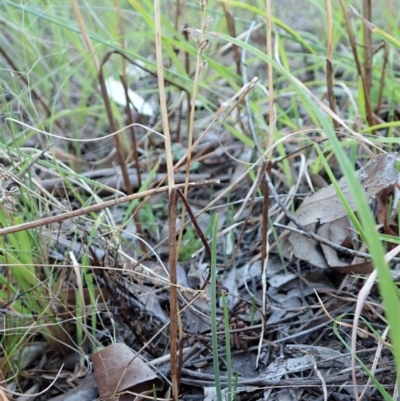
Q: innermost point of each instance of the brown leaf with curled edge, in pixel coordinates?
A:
(359, 268)
(325, 205)
(118, 369)
(337, 232)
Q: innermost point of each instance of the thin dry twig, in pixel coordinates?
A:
(95, 208)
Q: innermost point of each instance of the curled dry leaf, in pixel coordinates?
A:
(116, 369)
(337, 232)
(325, 207)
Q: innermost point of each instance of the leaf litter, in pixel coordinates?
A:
(292, 320)
(325, 205)
(135, 308)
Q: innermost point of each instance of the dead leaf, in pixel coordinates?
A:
(327, 354)
(337, 232)
(383, 218)
(308, 250)
(359, 268)
(325, 206)
(29, 354)
(116, 369)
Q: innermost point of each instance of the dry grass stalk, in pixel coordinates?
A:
(171, 182)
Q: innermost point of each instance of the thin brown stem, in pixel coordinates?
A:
(329, 59)
(96, 208)
(113, 125)
(230, 21)
(173, 290)
(353, 45)
(86, 37)
(367, 14)
(201, 45)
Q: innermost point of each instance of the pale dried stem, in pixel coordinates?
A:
(171, 183)
(96, 208)
(192, 116)
(85, 35)
(163, 99)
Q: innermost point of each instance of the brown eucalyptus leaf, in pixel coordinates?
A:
(321, 255)
(359, 268)
(116, 369)
(325, 205)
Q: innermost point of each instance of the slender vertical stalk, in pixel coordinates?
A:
(201, 45)
(214, 336)
(367, 14)
(172, 205)
(268, 21)
(86, 37)
(173, 308)
(162, 96)
(329, 58)
(360, 72)
(231, 396)
(270, 142)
